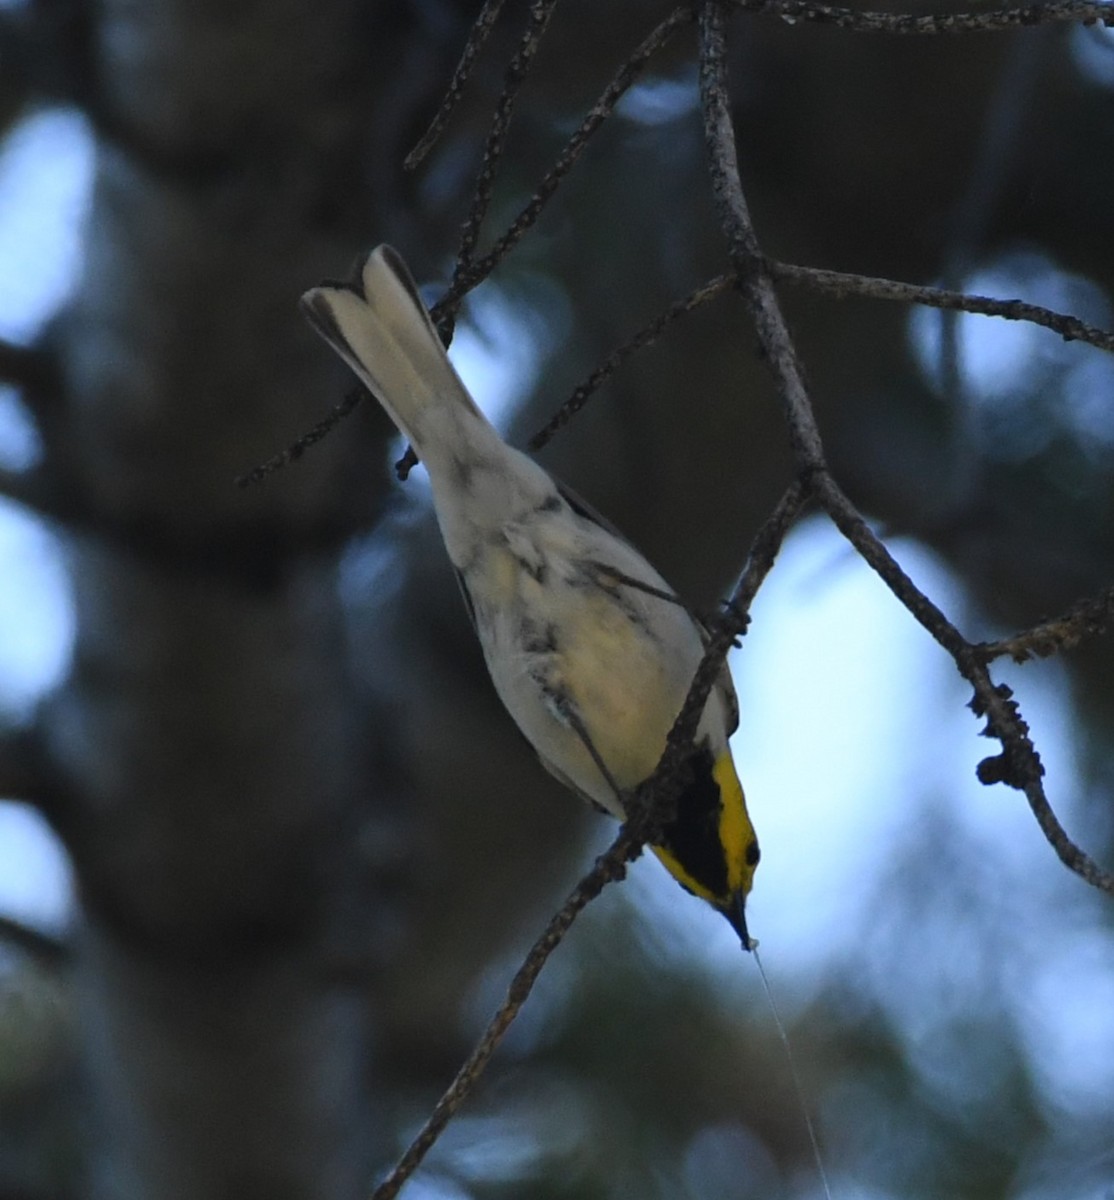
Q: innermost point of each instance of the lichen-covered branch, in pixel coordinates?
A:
(1057, 12)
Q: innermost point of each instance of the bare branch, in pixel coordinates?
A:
(736, 617)
(650, 805)
(1019, 764)
(620, 83)
(838, 283)
(467, 274)
(1087, 618)
(445, 310)
(646, 336)
(608, 867)
(477, 37)
(1085, 12)
(298, 447)
(516, 74)
(746, 256)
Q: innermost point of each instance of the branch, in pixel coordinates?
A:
(746, 256)
(298, 447)
(646, 336)
(1087, 12)
(837, 283)
(467, 273)
(464, 276)
(608, 867)
(517, 71)
(1087, 618)
(477, 37)
(648, 815)
(1019, 764)
(620, 83)
(732, 624)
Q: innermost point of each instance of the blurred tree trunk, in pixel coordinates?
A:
(213, 790)
(230, 790)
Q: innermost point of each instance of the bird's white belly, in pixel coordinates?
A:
(569, 659)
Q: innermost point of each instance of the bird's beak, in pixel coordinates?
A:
(735, 911)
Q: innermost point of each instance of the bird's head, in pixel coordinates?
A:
(710, 847)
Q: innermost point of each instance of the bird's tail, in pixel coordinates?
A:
(378, 324)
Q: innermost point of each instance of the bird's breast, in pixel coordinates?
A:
(570, 657)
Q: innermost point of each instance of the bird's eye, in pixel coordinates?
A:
(753, 854)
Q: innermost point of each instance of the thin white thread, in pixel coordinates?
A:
(793, 1072)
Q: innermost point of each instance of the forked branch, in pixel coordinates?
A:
(1019, 764)
(753, 276)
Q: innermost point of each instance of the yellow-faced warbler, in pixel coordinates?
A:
(588, 647)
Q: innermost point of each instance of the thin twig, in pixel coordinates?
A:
(1085, 619)
(839, 283)
(609, 866)
(467, 273)
(477, 37)
(1056, 12)
(516, 74)
(836, 283)
(646, 336)
(297, 448)
(732, 623)
(649, 812)
(620, 83)
(464, 276)
(1019, 764)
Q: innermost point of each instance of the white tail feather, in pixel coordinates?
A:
(381, 328)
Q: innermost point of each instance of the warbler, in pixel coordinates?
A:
(590, 650)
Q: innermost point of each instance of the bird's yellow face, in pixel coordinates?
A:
(710, 847)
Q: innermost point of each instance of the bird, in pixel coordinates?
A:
(590, 650)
